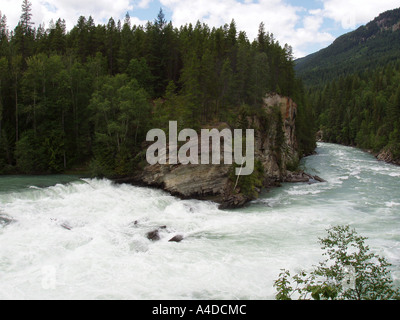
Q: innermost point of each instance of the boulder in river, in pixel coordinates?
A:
(5, 220)
(319, 179)
(177, 238)
(153, 235)
(66, 226)
(302, 177)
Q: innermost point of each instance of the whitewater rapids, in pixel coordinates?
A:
(69, 238)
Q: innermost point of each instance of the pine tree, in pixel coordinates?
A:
(24, 31)
(3, 79)
(3, 28)
(126, 53)
(16, 65)
(4, 35)
(26, 17)
(160, 22)
(57, 37)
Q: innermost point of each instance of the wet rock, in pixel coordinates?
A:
(177, 238)
(319, 179)
(66, 226)
(153, 235)
(233, 202)
(5, 220)
(302, 177)
(134, 224)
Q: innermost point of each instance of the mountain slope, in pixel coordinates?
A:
(370, 46)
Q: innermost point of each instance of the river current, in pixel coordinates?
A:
(62, 237)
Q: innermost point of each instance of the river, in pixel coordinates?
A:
(62, 237)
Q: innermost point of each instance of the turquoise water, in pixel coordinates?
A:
(71, 238)
(9, 184)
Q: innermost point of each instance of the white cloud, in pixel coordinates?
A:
(310, 34)
(295, 25)
(279, 17)
(350, 13)
(289, 23)
(45, 10)
(143, 4)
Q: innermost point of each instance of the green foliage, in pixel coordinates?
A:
(353, 87)
(248, 185)
(293, 165)
(350, 272)
(306, 124)
(139, 70)
(375, 44)
(30, 155)
(121, 120)
(90, 94)
(361, 109)
(35, 155)
(280, 136)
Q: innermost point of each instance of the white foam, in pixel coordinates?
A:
(234, 254)
(392, 204)
(394, 174)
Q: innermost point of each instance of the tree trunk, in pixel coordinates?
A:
(34, 112)
(16, 112)
(1, 111)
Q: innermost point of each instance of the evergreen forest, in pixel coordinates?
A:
(85, 98)
(354, 87)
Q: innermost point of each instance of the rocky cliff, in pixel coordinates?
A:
(275, 149)
(387, 156)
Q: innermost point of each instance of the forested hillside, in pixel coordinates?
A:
(370, 46)
(362, 109)
(88, 96)
(354, 87)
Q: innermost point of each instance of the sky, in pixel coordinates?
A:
(307, 26)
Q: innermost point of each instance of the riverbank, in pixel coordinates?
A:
(385, 155)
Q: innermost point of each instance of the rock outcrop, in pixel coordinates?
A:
(276, 149)
(302, 177)
(386, 155)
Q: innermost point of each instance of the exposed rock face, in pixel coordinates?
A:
(187, 181)
(288, 109)
(320, 136)
(275, 148)
(387, 156)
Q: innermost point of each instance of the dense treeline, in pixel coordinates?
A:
(90, 95)
(362, 109)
